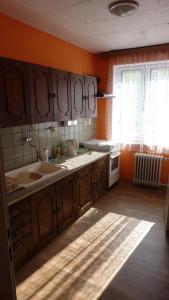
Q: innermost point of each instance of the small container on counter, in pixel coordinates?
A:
(58, 152)
(45, 155)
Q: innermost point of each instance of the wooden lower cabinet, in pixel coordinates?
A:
(100, 177)
(43, 216)
(66, 202)
(84, 189)
(34, 223)
(40, 217)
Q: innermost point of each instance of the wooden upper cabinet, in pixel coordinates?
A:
(83, 96)
(66, 202)
(61, 95)
(84, 189)
(40, 93)
(32, 93)
(77, 96)
(91, 99)
(13, 98)
(43, 215)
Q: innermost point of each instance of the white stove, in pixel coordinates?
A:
(99, 145)
(114, 162)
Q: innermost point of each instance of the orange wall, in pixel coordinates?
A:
(23, 42)
(20, 41)
(101, 71)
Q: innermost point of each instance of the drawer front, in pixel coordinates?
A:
(84, 171)
(101, 161)
(18, 208)
(21, 233)
(22, 251)
(20, 221)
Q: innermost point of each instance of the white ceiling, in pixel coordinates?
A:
(89, 25)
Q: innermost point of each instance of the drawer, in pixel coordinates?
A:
(84, 171)
(20, 220)
(101, 161)
(18, 208)
(22, 251)
(21, 232)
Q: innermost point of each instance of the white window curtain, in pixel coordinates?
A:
(140, 113)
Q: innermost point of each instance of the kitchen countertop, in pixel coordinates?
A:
(72, 164)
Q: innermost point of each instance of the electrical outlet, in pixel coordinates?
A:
(89, 121)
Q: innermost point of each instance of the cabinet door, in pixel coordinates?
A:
(101, 177)
(84, 186)
(77, 96)
(40, 93)
(61, 95)
(44, 216)
(91, 100)
(13, 97)
(66, 202)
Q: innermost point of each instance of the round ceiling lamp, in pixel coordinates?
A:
(123, 8)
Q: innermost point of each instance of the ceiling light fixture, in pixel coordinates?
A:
(123, 8)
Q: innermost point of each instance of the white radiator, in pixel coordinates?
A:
(147, 169)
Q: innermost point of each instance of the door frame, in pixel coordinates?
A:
(167, 209)
(7, 274)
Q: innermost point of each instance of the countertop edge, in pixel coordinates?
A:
(52, 181)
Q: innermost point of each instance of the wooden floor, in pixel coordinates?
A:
(118, 250)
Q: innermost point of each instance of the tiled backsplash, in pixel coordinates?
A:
(18, 153)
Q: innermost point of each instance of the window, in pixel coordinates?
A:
(141, 106)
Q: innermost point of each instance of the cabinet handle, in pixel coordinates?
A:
(52, 96)
(55, 211)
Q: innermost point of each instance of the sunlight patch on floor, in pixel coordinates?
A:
(81, 263)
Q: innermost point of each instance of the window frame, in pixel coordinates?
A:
(146, 69)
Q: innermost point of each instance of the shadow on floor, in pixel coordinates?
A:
(117, 250)
(145, 275)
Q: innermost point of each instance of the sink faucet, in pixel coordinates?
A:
(28, 140)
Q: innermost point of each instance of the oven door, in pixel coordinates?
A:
(114, 167)
(114, 163)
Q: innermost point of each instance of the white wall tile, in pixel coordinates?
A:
(17, 153)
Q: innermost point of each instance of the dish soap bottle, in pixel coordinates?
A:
(45, 155)
(58, 152)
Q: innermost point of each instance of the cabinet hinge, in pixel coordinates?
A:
(10, 253)
(9, 233)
